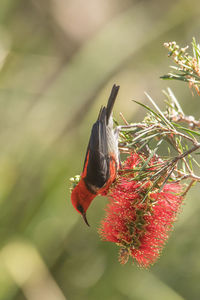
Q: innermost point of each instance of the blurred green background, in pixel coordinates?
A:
(58, 62)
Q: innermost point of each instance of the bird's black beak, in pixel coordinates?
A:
(85, 219)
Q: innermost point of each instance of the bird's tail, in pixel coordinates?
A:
(111, 101)
(105, 112)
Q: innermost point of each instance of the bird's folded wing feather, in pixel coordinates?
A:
(97, 158)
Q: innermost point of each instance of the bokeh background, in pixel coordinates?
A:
(58, 62)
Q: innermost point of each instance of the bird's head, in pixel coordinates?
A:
(81, 198)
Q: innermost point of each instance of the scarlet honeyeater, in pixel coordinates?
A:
(101, 160)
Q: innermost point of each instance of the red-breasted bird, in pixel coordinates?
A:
(101, 160)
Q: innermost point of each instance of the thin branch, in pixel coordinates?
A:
(186, 153)
(188, 187)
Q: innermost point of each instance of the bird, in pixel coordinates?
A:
(101, 160)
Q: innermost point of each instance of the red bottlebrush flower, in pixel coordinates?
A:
(139, 218)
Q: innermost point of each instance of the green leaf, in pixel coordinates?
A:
(143, 145)
(194, 160)
(162, 116)
(148, 108)
(196, 49)
(167, 77)
(190, 162)
(175, 101)
(190, 131)
(167, 178)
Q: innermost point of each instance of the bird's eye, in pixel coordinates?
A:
(80, 208)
